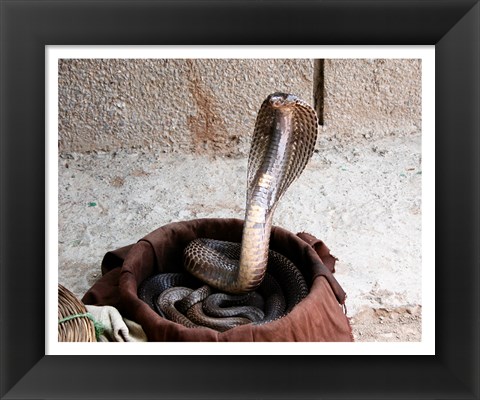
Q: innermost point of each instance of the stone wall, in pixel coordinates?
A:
(207, 106)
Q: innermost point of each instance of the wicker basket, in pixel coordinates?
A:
(77, 329)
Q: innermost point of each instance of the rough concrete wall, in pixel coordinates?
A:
(372, 98)
(209, 106)
(199, 106)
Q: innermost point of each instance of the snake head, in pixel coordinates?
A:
(280, 100)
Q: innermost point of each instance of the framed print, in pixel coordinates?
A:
(186, 174)
(30, 30)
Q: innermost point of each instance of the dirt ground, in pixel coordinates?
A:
(362, 199)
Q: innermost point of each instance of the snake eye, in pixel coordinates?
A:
(276, 101)
(292, 99)
(279, 99)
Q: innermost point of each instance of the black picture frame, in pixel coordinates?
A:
(453, 26)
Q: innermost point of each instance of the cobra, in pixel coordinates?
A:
(283, 142)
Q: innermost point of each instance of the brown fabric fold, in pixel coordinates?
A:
(321, 249)
(114, 259)
(319, 317)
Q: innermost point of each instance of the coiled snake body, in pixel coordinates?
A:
(283, 141)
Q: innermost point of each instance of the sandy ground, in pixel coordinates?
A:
(362, 199)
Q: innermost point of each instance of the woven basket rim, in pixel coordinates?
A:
(78, 329)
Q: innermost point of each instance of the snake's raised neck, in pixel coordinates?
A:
(283, 142)
(263, 196)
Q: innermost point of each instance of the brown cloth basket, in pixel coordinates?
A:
(79, 328)
(318, 317)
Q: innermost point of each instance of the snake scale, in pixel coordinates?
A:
(230, 284)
